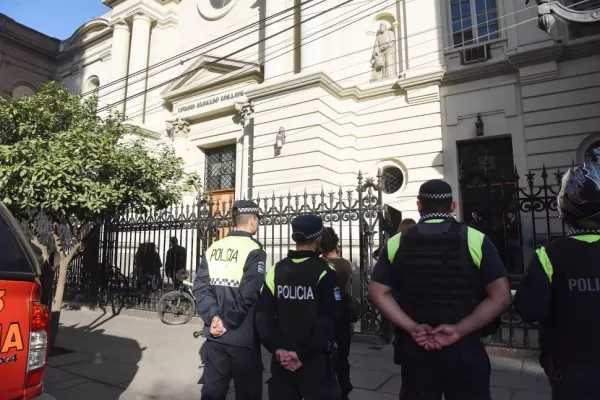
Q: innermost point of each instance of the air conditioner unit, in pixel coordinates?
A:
(475, 54)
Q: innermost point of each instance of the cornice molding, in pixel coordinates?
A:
(321, 79)
(145, 132)
(157, 15)
(27, 45)
(477, 72)
(536, 56)
(516, 60)
(112, 3)
(422, 88)
(233, 71)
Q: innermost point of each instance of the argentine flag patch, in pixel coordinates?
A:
(337, 294)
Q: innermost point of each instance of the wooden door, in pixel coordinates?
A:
(222, 203)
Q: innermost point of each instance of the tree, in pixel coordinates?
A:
(59, 159)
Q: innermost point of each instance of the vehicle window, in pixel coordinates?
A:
(11, 257)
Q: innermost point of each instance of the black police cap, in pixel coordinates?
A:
(435, 189)
(245, 207)
(306, 227)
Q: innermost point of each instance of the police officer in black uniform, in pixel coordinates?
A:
(451, 286)
(296, 317)
(226, 289)
(561, 289)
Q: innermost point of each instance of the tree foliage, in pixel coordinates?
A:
(60, 159)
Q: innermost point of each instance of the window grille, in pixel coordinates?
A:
(220, 168)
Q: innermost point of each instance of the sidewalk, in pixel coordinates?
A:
(121, 357)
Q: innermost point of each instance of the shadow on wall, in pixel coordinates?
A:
(87, 363)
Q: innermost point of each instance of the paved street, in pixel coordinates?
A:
(122, 357)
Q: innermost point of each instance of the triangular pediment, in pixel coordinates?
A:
(207, 72)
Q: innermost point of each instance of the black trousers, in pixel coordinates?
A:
(224, 362)
(311, 382)
(342, 369)
(572, 381)
(460, 371)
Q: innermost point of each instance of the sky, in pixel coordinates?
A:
(56, 18)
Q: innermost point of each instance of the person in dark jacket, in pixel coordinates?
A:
(561, 289)
(343, 328)
(296, 317)
(176, 260)
(226, 289)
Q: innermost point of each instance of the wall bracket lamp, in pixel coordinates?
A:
(479, 126)
(280, 139)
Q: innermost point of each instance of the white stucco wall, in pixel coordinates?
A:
(536, 90)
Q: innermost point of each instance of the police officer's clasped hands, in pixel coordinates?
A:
(216, 327)
(288, 359)
(434, 339)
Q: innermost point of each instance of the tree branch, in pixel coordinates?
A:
(74, 251)
(71, 229)
(57, 240)
(88, 232)
(44, 249)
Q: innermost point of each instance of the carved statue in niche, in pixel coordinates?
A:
(178, 127)
(383, 59)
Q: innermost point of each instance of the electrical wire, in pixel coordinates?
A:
(227, 56)
(199, 47)
(361, 62)
(414, 45)
(267, 143)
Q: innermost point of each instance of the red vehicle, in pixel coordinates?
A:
(24, 320)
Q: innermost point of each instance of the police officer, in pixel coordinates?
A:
(451, 288)
(296, 316)
(226, 289)
(561, 289)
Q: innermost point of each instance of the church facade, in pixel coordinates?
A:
(281, 96)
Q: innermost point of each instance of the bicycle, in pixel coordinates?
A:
(179, 302)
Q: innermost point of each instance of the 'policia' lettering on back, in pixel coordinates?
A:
(224, 254)
(295, 292)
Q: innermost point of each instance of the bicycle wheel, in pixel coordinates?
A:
(178, 304)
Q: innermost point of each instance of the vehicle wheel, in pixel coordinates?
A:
(177, 303)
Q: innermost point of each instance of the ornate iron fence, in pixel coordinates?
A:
(130, 241)
(519, 216)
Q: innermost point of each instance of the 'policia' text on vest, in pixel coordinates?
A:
(225, 254)
(295, 292)
(584, 285)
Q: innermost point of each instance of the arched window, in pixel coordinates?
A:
(589, 149)
(21, 90)
(92, 85)
(392, 179)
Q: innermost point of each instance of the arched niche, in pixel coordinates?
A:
(386, 52)
(21, 90)
(589, 149)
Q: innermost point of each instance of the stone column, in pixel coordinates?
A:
(120, 63)
(138, 61)
(276, 64)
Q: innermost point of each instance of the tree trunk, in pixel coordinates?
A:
(58, 298)
(63, 269)
(60, 284)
